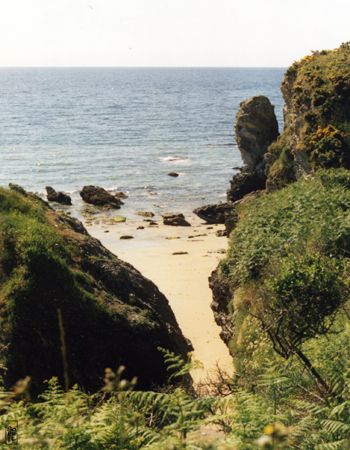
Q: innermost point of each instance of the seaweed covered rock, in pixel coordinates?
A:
(111, 315)
(316, 133)
(256, 128)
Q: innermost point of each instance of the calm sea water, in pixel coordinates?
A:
(126, 129)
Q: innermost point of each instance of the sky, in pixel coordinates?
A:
(224, 33)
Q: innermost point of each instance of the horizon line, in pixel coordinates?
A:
(143, 67)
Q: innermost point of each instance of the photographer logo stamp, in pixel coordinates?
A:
(11, 432)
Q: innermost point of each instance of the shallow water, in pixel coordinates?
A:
(126, 129)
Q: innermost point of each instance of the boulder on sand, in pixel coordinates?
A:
(98, 196)
(214, 214)
(57, 196)
(177, 220)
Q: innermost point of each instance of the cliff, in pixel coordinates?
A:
(316, 134)
(111, 314)
(284, 280)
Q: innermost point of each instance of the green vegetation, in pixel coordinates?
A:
(316, 90)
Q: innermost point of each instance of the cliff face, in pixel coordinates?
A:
(111, 314)
(316, 136)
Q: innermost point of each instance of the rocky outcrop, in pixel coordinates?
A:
(57, 197)
(98, 196)
(222, 297)
(316, 135)
(316, 91)
(256, 128)
(214, 214)
(176, 220)
(111, 314)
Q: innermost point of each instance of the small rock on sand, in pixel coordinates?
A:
(145, 213)
(126, 236)
(173, 174)
(180, 253)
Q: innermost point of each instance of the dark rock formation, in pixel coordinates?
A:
(177, 220)
(121, 195)
(222, 297)
(256, 128)
(17, 188)
(244, 182)
(214, 213)
(173, 174)
(111, 314)
(98, 196)
(57, 196)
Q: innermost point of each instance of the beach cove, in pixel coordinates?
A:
(182, 278)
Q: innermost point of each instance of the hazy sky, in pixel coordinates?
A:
(168, 32)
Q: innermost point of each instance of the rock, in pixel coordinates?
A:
(116, 219)
(126, 236)
(58, 197)
(221, 233)
(244, 183)
(197, 235)
(145, 213)
(170, 238)
(173, 174)
(140, 228)
(256, 128)
(316, 134)
(17, 188)
(177, 220)
(213, 214)
(231, 220)
(222, 296)
(111, 314)
(98, 196)
(180, 253)
(121, 195)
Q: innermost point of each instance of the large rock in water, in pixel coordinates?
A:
(111, 314)
(57, 196)
(256, 128)
(98, 196)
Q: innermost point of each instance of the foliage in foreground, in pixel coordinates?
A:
(283, 412)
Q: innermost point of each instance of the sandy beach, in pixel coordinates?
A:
(182, 277)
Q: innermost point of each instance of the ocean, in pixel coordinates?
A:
(126, 129)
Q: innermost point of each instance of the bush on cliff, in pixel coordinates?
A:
(288, 266)
(316, 132)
